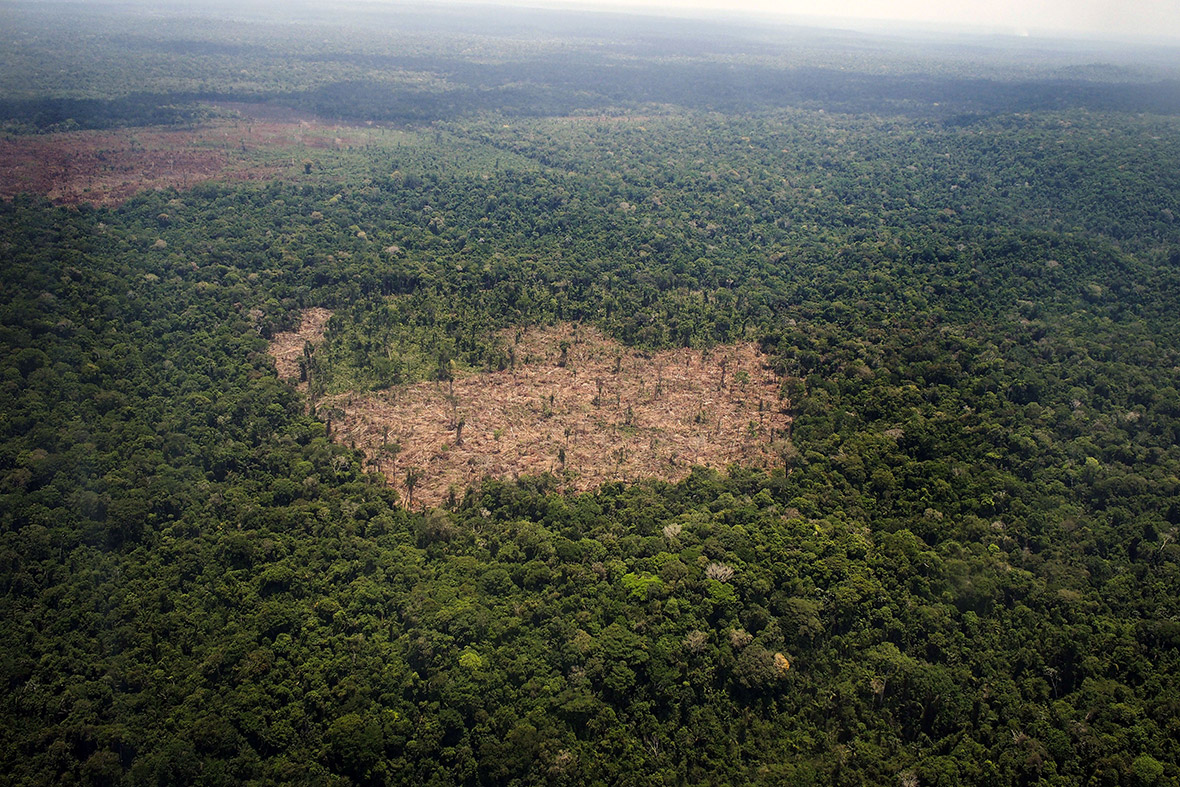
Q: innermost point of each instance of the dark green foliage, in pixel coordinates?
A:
(968, 557)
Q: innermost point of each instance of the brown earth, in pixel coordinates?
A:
(108, 167)
(287, 347)
(616, 414)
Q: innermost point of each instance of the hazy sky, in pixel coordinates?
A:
(1154, 18)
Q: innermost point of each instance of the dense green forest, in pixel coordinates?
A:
(966, 571)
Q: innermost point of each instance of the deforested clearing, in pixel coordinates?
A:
(287, 347)
(575, 404)
(108, 167)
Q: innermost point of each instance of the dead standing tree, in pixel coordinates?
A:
(334, 414)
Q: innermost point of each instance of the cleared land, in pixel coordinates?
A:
(576, 404)
(287, 347)
(108, 167)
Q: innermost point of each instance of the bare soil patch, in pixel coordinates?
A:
(108, 167)
(287, 347)
(578, 405)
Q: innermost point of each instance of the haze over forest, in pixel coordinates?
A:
(1102, 19)
(476, 394)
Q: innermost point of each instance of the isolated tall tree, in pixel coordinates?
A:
(413, 476)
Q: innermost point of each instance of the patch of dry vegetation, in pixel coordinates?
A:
(108, 167)
(575, 404)
(287, 347)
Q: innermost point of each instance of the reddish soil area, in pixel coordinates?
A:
(108, 167)
(578, 405)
